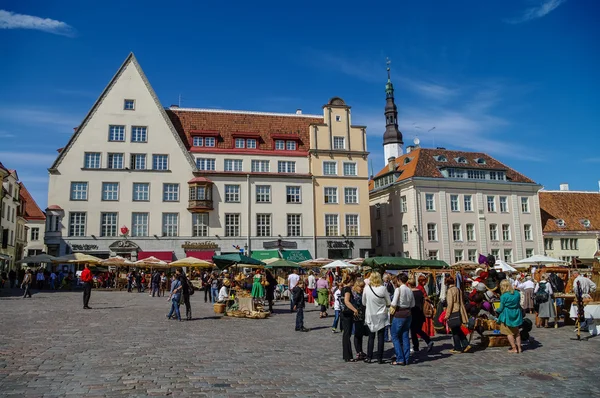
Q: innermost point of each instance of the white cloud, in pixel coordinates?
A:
(4, 134)
(39, 117)
(11, 20)
(545, 7)
(15, 160)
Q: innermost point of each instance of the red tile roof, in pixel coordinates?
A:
(54, 207)
(231, 123)
(571, 207)
(422, 163)
(32, 210)
(199, 179)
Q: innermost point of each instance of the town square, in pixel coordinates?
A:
(312, 199)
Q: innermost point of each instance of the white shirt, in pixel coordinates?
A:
(223, 295)
(403, 297)
(312, 282)
(587, 286)
(526, 285)
(376, 300)
(336, 299)
(293, 280)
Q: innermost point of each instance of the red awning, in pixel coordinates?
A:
(202, 254)
(165, 256)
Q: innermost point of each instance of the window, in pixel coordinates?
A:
(468, 203)
(496, 253)
(405, 233)
(170, 192)
(506, 232)
(108, 224)
(290, 145)
(528, 252)
(292, 194)
(561, 223)
(330, 195)
(508, 255)
(138, 161)
(441, 158)
(351, 195)
(429, 202)
(110, 191)
(491, 204)
(160, 162)
(391, 236)
(263, 193)
(338, 118)
(232, 194)
(525, 205)
(286, 167)
(527, 231)
(92, 160)
(279, 145)
(170, 224)
(141, 192)
(79, 191)
(351, 224)
(480, 161)
(294, 225)
(198, 141)
(205, 164)
(115, 160)
(331, 225)
(349, 169)
(569, 244)
(139, 134)
(209, 141)
(251, 143)
(471, 232)
(461, 160)
(432, 254)
(77, 224)
(330, 168)
(503, 204)
(458, 255)
(261, 166)
(35, 234)
(263, 225)
(129, 105)
(457, 232)
(232, 224)
(472, 253)
(378, 238)
(199, 224)
(199, 193)
(548, 244)
(454, 206)
(339, 143)
(233, 165)
(139, 224)
(432, 232)
(493, 232)
(377, 211)
(403, 205)
(116, 133)
(240, 143)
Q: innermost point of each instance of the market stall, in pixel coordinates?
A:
(193, 263)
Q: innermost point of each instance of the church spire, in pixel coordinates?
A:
(392, 138)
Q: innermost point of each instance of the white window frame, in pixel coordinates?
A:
(35, 234)
(92, 160)
(351, 195)
(491, 204)
(472, 255)
(294, 225)
(493, 232)
(138, 132)
(200, 225)
(206, 164)
(459, 255)
(263, 193)
(286, 166)
(403, 204)
(352, 222)
(170, 224)
(433, 254)
(232, 224)
(233, 165)
(137, 161)
(232, 193)
(330, 195)
(504, 204)
(354, 168)
(107, 194)
(457, 232)
(405, 233)
(280, 145)
(109, 222)
(78, 191)
(291, 145)
(260, 166)
(429, 202)
(527, 232)
(197, 141)
(506, 235)
(170, 192)
(251, 143)
(210, 142)
(116, 133)
(548, 243)
(290, 197)
(332, 229)
(471, 235)
(141, 193)
(469, 207)
(508, 255)
(327, 171)
(529, 252)
(432, 235)
(126, 107)
(160, 161)
(525, 204)
(139, 224)
(240, 143)
(115, 161)
(454, 205)
(336, 142)
(263, 225)
(77, 223)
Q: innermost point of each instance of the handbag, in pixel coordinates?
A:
(454, 320)
(428, 309)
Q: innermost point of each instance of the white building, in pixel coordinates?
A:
(35, 223)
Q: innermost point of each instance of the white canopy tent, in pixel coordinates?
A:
(504, 266)
(338, 264)
(538, 259)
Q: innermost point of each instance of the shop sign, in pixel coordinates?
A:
(280, 244)
(84, 247)
(339, 244)
(123, 245)
(200, 246)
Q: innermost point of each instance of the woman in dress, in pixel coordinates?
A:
(418, 318)
(322, 287)
(511, 315)
(258, 290)
(546, 309)
(456, 310)
(376, 300)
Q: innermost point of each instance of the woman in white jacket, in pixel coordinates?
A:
(376, 300)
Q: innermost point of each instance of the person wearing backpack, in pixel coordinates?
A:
(543, 300)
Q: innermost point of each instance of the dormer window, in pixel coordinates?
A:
(240, 143)
(561, 223)
(461, 160)
(586, 223)
(441, 158)
(407, 160)
(480, 161)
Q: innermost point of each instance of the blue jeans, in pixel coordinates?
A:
(175, 307)
(299, 318)
(400, 337)
(386, 334)
(214, 293)
(336, 319)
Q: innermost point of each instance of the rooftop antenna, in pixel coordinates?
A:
(388, 63)
(432, 135)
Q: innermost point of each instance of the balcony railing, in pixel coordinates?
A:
(200, 205)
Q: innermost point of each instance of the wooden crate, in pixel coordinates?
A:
(495, 340)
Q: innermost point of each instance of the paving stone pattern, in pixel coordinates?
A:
(125, 346)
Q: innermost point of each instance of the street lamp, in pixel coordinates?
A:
(246, 249)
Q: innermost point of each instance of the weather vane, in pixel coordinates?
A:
(388, 63)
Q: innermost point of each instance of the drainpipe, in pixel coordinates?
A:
(419, 226)
(249, 229)
(314, 215)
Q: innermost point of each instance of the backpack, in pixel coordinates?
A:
(542, 294)
(558, 285)
(190, 287)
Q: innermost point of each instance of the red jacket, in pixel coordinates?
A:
(86, 275)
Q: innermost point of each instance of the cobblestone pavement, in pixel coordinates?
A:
(125, 346)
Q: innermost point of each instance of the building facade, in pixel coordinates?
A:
(12, 225)
(137, 179)
(571, 224)
(35, 224)
(452, 206)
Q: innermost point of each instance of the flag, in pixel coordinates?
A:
(482, 259)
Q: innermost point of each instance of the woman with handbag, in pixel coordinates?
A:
(511, 315)
(418, 318)
(456, 315)
(348, 311)
(322, 287)
(376, 301)
(402, 303)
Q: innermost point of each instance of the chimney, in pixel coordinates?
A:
(298, 111)
(392, 163)
(174, 106)
(564, 187)
(409, 148)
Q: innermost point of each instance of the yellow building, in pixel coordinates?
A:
(338, 163)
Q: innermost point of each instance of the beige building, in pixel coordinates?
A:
(12, 225)
(338, 163)
(571, 224)
(35, 224)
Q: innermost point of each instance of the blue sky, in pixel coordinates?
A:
(517, 79)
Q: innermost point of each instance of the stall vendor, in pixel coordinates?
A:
(224, 292)
(258, 291)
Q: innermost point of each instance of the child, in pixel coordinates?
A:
(298, 297)
(336, 306)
